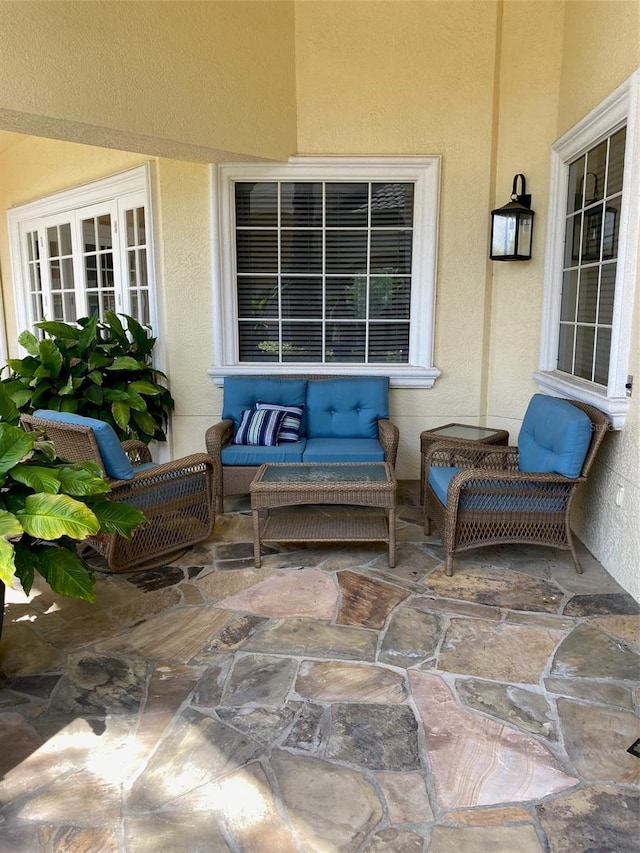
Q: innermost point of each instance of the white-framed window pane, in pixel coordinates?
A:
(316, 252)
(310, 251)
(592, 227)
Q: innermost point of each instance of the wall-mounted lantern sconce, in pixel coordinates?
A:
(512, 226)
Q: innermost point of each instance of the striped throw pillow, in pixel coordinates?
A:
(259, 427)
(290, 429)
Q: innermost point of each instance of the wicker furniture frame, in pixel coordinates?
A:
(236, 479)
(491, 474)
(176, 498)
(462, 434)
(304, 489)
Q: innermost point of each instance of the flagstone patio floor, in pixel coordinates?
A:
(325, 702)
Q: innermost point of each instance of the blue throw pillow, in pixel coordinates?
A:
(290, 427)
(259, 427)
(116, 462)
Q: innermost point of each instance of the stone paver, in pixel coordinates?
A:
(324, 703)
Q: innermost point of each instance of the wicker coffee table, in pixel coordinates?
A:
(358, 484)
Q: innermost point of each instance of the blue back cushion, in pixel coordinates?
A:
(347, 407)
(115, 460)
(243, 392)
(554, 437)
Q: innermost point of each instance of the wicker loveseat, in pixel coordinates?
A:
(343, 419)
(176, 497)
(484, 495)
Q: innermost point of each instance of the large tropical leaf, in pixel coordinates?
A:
(116, 328)
(38, 478)
(65, 572)
(23, 366)
(59, 330)
(24, 560)
(15, 446)
(88, 334)
(97, 360)
(117, 517)
(51, 516)
(8, 409)
(121, 414)
(82, 479)
(51, 357)
(29, 341)
(143, 340)
(10, 528)
(145, 422)
(126, 362)
(141, 386)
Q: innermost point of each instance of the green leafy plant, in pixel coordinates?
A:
(46, 507)
(98, 369)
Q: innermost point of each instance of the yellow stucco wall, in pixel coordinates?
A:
(184, 79)
(415, 78)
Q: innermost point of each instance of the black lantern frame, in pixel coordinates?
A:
(512, 226)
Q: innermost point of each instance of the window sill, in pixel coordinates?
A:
(562, 385)
(399, 377)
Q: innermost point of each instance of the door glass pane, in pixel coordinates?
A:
(257, 251)
(301, 251)
(346, 342)
(346, 251)
(258, 341)
(302, 342)
(391, 205)
(256, 204)
(301, 297)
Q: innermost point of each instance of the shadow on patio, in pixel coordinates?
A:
(325, 702)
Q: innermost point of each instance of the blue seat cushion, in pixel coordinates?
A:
(517, 501)
(115, 460)
(554, 437)
(242, 454)
(243, 392)
(343, 450)
(346, 407)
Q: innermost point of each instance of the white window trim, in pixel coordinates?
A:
(423, 171)
(621, 107)
(137, 180)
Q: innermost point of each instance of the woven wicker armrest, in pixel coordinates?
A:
(389, 437)
(465, 454)
(137, 451)
(218, 436)
(186, 466)
(526, 490)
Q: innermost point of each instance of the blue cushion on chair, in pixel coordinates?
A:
(116, 462)
(524, 496)
(554, 437)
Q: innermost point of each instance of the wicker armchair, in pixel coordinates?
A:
(489, 500)
(176, 497)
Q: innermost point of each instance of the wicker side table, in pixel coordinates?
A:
(456, 434)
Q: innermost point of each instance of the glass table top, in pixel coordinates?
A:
(370, 472)
(472, 433)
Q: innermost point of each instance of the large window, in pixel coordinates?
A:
(85, 251)
(591, 259)
(327, 267)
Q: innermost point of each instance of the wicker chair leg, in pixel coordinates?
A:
(448, 565)
(427, 525)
